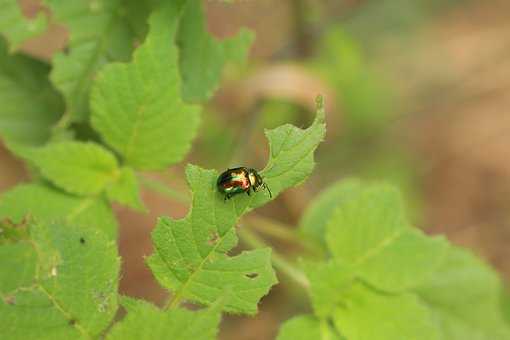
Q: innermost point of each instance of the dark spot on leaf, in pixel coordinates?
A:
(72, 322)
(82, 240)
(213, 238)
(66, 50)
(10, 299)
(252, 275)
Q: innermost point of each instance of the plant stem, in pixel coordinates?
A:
(254, 241)
(280, 231)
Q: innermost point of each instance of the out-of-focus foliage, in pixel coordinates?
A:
(387, 280)
(15, 27)
(25, 119)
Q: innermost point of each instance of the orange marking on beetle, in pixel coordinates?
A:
(245, 184)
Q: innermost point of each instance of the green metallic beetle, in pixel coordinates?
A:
(238, 180)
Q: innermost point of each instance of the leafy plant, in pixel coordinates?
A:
(89, 122)
(391, 281)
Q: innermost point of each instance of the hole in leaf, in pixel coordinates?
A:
(82, 240)
(251, 275)
(10, 300)
(213, 238)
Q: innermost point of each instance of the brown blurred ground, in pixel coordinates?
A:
(457, 79)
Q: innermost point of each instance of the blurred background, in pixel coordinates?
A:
(417, 94)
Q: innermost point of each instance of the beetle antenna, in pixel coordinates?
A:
(266, 187)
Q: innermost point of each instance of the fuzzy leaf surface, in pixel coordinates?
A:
(62, 283)
(48, 205)
(77, 167)
(137, 107)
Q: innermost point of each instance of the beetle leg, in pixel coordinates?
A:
(248, 191)
(266, 187)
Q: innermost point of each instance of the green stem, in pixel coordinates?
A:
(280, 263)
(281, 231)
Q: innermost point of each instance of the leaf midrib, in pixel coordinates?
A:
(67, 315)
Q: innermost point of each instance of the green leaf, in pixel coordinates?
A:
(15, 27)
(99, 34)
(48, 205)
(306, 327)
(371, 233)
(465, 298)
(367, 315)
(126, 190)
(26, 119)
(12, 232)
(291, 154)
(329, 284)
(77, 167)
(203, 57)
(317, 215)
(146, 321)
(190, 254)
(137, 107)
(65, 287)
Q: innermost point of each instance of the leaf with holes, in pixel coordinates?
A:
(137, 107)
(47, 204)
(99, 34)
(15, 27)
(190, 254)
(62, 283)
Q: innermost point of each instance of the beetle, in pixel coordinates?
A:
(238, 180)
